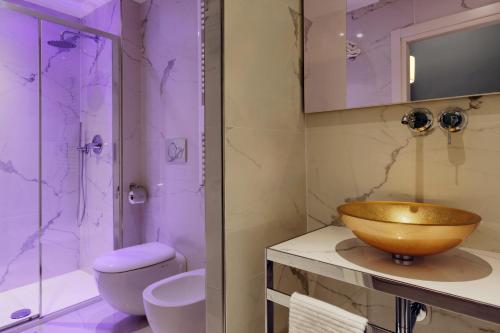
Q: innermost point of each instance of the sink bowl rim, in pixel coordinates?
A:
(342, 210)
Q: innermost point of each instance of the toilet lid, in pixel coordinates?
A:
(134, 257)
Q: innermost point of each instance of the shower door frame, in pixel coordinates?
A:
(116, 146)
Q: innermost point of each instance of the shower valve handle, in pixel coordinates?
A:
(95, 146)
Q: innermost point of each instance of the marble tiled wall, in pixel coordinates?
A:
(131, 16)
(264, 181)
(96, 116)
(106, 18)
(162, 53)
(60, 123)
(366, 154)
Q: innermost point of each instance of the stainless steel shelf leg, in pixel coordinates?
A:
(269, 304)
(406, 314)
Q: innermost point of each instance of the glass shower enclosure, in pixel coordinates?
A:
(60, 153)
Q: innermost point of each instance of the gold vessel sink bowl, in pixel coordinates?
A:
(408, 229)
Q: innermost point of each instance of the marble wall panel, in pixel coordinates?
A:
(106, 18)
(162, 45)
(59, 163)
(131, 15)
(263, 147)
(96, 226)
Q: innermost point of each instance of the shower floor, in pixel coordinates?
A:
(58, 292)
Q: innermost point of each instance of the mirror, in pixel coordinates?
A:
(360, 53)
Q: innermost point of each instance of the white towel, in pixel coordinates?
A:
(309, 315)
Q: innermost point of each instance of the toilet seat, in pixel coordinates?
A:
(134, 257)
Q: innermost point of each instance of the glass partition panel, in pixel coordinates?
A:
(19, 171)
(77, 204)
(59, 160)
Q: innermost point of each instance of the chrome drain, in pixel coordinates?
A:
(402, 259)
(23, 313)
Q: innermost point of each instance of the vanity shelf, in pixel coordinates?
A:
(461, 280)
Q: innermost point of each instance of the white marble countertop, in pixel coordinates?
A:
(463, 273)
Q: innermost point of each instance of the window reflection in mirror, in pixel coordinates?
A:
(455, 64)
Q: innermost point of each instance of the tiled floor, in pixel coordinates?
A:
(58, 293)
(98, 317)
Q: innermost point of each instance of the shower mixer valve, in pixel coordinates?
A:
(95, 146)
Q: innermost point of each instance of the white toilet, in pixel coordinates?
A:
(177, 304)
(122, 275)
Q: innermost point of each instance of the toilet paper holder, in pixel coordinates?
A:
(137, 194)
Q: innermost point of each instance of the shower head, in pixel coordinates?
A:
(70, 42)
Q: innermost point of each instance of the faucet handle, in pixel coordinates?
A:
(452, 120)
(418, 120)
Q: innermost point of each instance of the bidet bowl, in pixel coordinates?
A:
(177, 304)
(408, 229)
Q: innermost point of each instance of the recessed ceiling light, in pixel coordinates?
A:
(360, 35)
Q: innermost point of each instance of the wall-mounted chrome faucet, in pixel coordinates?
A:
(419, 120)
(452, 120)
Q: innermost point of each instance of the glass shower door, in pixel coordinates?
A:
(19, 168)
(59, 90)
(77, 203)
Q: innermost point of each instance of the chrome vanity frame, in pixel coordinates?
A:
(404, 293)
